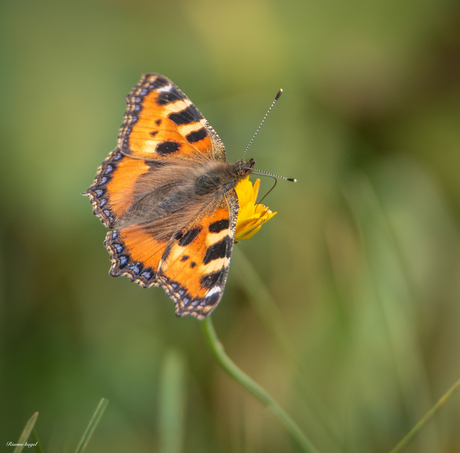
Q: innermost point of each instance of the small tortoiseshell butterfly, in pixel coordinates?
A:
(168, 195)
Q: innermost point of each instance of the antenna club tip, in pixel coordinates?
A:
(280, 92)
(292, 179)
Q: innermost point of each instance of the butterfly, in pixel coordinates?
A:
(168, 196)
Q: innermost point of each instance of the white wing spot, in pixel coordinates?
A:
(211, 292)
(165, 88)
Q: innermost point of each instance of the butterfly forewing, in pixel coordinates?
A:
(162, 123)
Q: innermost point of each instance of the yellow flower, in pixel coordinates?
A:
(251, 216)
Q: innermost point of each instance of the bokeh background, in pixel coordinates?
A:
(345, 306)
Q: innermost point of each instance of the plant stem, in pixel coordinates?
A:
(263, 396)
(427, 417)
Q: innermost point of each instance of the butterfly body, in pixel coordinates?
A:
(168, 195)
(173, 195)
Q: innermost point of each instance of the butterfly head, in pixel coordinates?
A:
(244, 167)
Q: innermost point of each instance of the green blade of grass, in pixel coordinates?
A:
(92, 425)
(172, 402)
(426, 418)
(26, 433)
(392, 298)
(37, 441)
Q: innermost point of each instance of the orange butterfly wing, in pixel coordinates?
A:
(195, 264)
(135, 253)
(162, 123)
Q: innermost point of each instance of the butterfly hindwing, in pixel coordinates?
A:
(135, 253)
(194, 268)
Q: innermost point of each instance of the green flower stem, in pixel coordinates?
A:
(265, 398)
(427, 417)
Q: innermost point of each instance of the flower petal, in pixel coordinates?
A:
(251, 216)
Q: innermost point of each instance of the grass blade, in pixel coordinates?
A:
(426, 418)
(37, 441)
(92, 425)
(172, 402)
(26, 433)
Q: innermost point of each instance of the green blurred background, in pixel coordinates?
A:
(362, 261)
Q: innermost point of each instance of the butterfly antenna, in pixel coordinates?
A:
(280, 92)
(273, 176)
